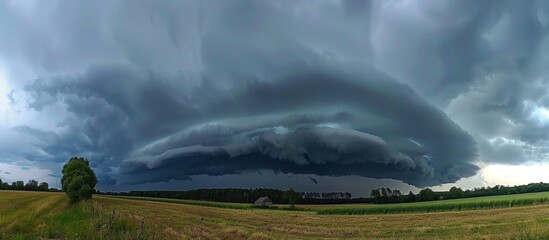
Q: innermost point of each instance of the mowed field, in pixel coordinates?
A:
(37, 215)
(48, 215)
(182, 221)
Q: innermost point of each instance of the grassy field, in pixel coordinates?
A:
(44, 215)
(191, 202)
(38, 215)
(229, 205)
(182, 221)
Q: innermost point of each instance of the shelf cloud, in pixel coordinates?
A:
(422, 92)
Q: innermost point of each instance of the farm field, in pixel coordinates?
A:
(48, 215)
(190, 202)
(442, 205)
(182, 221)
(42, 215)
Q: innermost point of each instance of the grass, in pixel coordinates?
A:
(183, 221)
(241, 206)
(491, 202)
(43, 215)
(192, 202)
(39, 215)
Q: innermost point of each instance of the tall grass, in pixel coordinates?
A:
(434, 207)
(89, 220)
(40, 215)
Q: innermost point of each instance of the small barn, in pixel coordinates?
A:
(263, 202)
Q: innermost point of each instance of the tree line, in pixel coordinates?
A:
(31, 185)
(237, 195)
(241, 195)
(386, 195)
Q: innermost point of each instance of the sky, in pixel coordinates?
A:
(325, 95)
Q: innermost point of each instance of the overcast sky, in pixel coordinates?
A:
(317, 95)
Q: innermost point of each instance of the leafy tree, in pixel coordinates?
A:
(74, 189)
(427, 194)
(19, 185)
(44, 186)
(31, 185)
(376, 194)
(291, 195)
(455, 193)
(78, 179)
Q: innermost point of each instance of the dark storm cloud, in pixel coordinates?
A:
(154, 91)
(318, 118)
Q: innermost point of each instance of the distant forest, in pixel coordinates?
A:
(31, 185)
(239, 195)
(379, 196)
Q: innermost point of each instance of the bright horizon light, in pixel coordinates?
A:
(499, 174)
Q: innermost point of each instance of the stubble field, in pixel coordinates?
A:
(37, 215)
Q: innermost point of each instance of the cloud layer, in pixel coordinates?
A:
(418, 91)
(310, 119)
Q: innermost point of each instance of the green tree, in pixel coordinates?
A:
(74, 189)
(291, 195)
(44, 186)
(32, 185)
(410, 197)
(376, 194)
(78, 179)
(455, 193)
(19, 185)
(427, 194)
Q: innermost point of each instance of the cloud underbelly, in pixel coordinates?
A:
(319, 124)
(305, 145)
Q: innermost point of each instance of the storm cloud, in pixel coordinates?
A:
(310, 119)
(417, 91)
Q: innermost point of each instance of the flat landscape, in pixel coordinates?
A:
(280, 119)
(35, 215)
(489, 202)
(48, 215)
